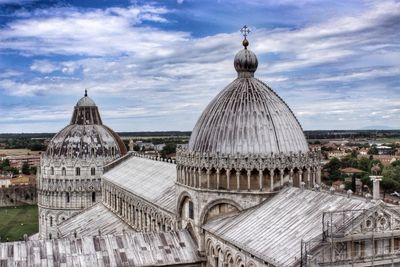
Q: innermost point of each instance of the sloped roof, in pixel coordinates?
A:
(152, 180)
(92, 221)
(351, 170)
(273, 230)
(138, 249)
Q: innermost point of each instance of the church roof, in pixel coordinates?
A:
(152, 180)
(92, 221)
(86, 135)
(130, 249)
(247, 117)
(273, 231)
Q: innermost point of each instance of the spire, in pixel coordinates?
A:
(245, 31)
(85, 92)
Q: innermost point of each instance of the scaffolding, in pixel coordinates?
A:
(351, 237)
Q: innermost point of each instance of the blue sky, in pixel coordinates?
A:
(155, 65)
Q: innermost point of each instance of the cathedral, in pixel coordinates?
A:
(245, 191)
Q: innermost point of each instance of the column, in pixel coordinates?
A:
(217, 179)
(238, 180)
(300, 176)
(308, 178)
(199, 174)
(281, 171)
(318, 175)
(313, 176)
(260, 179)
(248, 179)
(291, 176)
(228, 173)
(185, 175)
(196, 177)
(208, 178)
(271, 189)
(137, 218)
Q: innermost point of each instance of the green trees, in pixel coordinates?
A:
(373, 150)
(4, 164)
(25, 168)
(5, 167)
(333, 169)
(169, 148)
(391, 178)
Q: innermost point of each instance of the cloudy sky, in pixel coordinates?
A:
(154, 65)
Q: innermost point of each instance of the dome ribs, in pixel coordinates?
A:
(247, 118)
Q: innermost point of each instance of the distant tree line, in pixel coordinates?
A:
(22, 142)
(351, 134)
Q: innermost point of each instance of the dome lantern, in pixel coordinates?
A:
(245, 61)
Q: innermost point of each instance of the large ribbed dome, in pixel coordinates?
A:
(247, 117)
(86, 135)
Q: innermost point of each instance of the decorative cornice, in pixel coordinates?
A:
(184, 157)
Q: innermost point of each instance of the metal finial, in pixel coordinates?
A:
(245, 31)
(85, 92)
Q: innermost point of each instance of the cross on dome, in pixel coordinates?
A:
(245, 31)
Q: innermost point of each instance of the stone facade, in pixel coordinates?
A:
(140, 214)
(65, 188)
(221, 253)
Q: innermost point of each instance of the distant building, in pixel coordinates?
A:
(18, 161)
(315, 147)
(384, 150)
(386, 160)
(337, 154)
(363, 151)
(350, 171)
(159, 147)
(5, 181)
(24, 180)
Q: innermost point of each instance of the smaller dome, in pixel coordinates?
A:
(86, 102)
(245, 63)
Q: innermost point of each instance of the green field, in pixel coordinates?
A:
(15, 222)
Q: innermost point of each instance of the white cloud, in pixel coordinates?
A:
(171, 73)
(8, 73)
(112, 31)
(43, 66)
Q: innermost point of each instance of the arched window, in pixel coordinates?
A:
(49, 236)
(93, 196)
(67, 197)
(51, 221)
(112, 151)
(93, 171)
(78, 171)
(63, 171)
(191, 211)
(52, 171)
